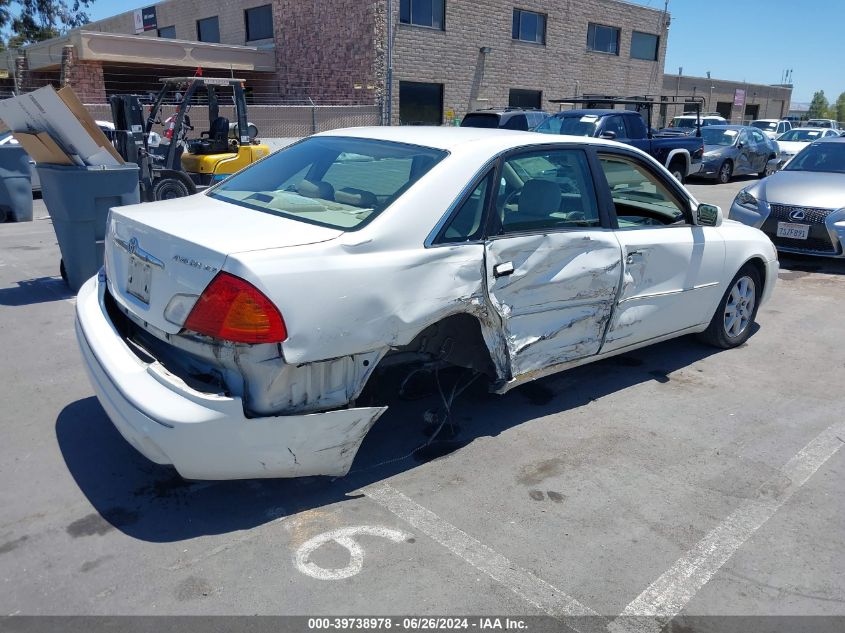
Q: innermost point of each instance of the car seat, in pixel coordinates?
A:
(217, 141)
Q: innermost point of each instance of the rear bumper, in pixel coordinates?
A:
(206, 436)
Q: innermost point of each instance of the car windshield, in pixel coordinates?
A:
(826, 157)
(715, 136)
(801, 135)
(338, 182)
(768, 126)
(577, 125)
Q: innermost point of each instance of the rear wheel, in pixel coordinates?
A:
(731, 324)
(678, 171)
(767, 171)
(725, 172)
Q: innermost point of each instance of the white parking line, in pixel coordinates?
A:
(521, 581)
(672, 591)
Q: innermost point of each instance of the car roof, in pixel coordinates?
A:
(728, 127)
(810, 129)
(831, 139)
(450, 138)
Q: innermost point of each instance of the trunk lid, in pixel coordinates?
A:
(156, 251)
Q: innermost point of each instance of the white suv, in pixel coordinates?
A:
(772, 127)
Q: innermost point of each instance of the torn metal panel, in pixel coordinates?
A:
(556, 304)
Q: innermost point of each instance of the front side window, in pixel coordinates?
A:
(423, 12)
(616, 125)
(644, 46)
(546, 190)
(529, 26)
(604, 39)
(640, 198)
(259, 23)
(208, 29)
(338, 182)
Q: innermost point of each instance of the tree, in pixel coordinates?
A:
(37, 20)
(839, 108)
(818, 106)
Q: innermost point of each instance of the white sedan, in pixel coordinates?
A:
(230, 333)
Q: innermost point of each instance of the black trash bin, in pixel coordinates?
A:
(15, 184)
(78, 200)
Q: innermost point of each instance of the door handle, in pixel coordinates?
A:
(633, 256)
(502, 270)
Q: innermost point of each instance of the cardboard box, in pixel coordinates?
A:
(42, 148)
(65, 120)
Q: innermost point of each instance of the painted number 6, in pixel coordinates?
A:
(346, 538)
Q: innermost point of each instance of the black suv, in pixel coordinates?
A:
(505, 118)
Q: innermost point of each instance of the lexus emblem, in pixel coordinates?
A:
(797, 214)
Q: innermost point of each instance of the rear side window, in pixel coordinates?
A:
(468, 222)
(338, 182)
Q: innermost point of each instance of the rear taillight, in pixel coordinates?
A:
(234, 310)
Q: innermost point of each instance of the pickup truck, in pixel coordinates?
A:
(681, 155)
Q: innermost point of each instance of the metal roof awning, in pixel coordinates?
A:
(157, 51)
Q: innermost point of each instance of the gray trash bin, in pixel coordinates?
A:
(78, 200)
(15, 184)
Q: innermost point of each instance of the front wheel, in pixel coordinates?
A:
(731, 324)
(678, 171)
(725, 172)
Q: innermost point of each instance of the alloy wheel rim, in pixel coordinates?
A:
(725, 172)
(740, 307)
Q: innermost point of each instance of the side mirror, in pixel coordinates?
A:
(709, 215)
(740, 145)
(609, 135)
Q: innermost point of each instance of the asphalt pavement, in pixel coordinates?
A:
(676, 479)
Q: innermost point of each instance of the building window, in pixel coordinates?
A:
(423, 12)
(208, 30)
(529, 26)
(259, 23)
(604, 39)
(168, 32)
(644, 46)
(420, 103)
(518, 98)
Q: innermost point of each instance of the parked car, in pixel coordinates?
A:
(680, 155)
(792, 142)
(687, 124)
(802, 207)
(825, 123)
(772, 127)
(230, 333)
(522, 119)
(736, 150)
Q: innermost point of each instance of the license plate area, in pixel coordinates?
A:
(793, 231)
(139, 279)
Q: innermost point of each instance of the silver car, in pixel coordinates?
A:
(802, 207)
(736, 150)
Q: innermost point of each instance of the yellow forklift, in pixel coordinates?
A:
(178, 165)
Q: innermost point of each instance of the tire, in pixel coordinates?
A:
(677, 169)
(726, 170)
(170, 188)
(732, 322)
(766, 171)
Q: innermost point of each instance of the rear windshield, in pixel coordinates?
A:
(337, 182)
(575, 125)
(481, 120)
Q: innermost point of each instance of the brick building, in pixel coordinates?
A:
(737, 101)
(448, 56)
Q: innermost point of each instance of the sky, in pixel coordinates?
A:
(740, 40)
